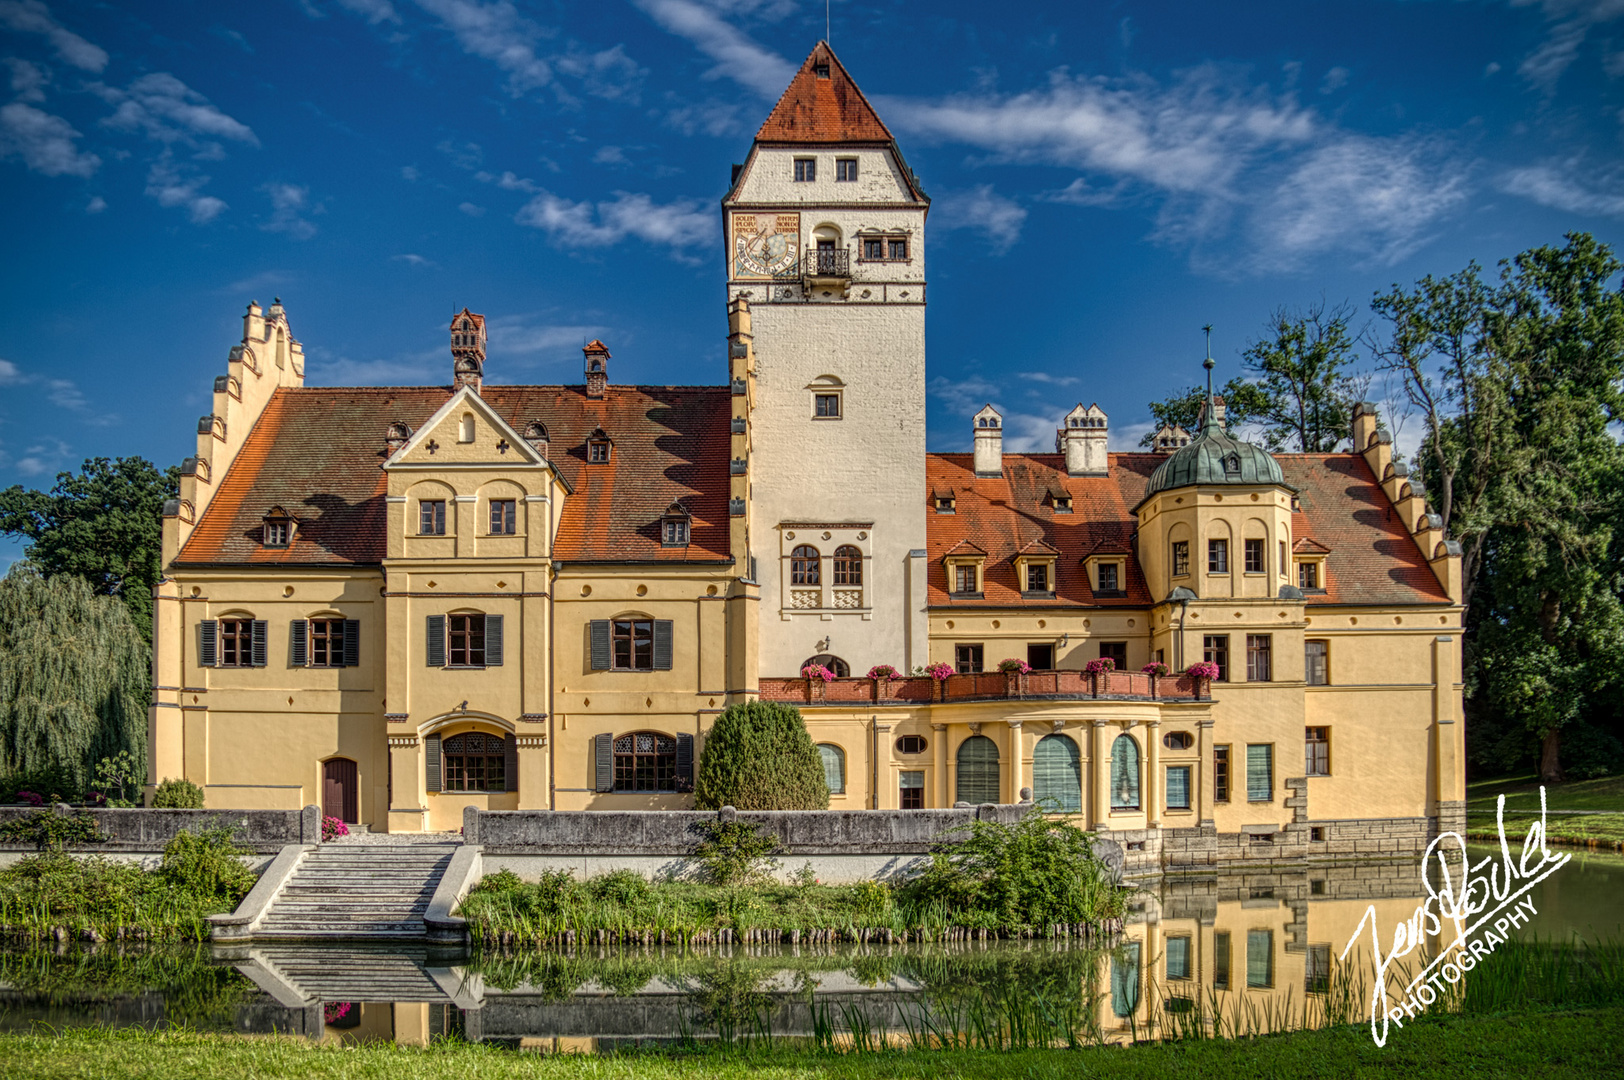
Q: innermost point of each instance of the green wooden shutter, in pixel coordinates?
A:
(685, 763)
(834, 767)
(1125, 773)
(510, 763)
(1125, 979)
(208, 642)
(299, 632)
(1178, 787)
(436, 641)
(431, 762)
(259, 643)
(352, 642)
(603, 761)
(978, 770)
(1220, 960)
(1057, 775)
(1259, 959)
(493, 641)
(662, 644)
(1259, 772)
(600, 644)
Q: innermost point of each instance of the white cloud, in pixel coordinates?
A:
(46, 143)
(96, 205)
(28, 81)
(33, 17)
(169, 111)
(1556, 188)
(606, 73)
(997, 218)
(9, 373)
(1334, 80)
(175, 185)
(374, 11)
(610, 155)
(1024, 432)
(413, 260)
(471, 210)
(524, 335)
(409, 173)
(463, 156)
(737, 55)
(682, 225)
(48, 456)
(509, 182)
(498, 33)
(1570, 22)
(288, 203)
(1050, 380)
(1376, 198)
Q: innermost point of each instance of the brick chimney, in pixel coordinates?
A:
(468, 350)
(597, 367)
(989, 445)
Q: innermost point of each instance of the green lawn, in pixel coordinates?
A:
(1522, 806)
(1577, 1044)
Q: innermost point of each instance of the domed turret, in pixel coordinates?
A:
(1215, 456)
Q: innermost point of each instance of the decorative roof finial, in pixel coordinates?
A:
(1210, 419)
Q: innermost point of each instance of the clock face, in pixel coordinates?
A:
(765, 245)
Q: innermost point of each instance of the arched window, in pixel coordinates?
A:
(834, 767)
(475, 761)
(834, 663)
(465, 431)
(805, 568)
(1057, 775)
(848, 566)
(978, 770)
(1124, 773)
(645, 761)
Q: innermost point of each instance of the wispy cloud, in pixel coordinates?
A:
(173, 184)
(737, 55)
(9, 373)
(1570, 23)
(982, 210)
(168, 111)
(1050, 380)
(28, 81)
(43, 457)
(532, 336)
(683, 225)
(288, 206)
(263, 281)
(1558, 189)
(47, 144)
(471, 209)
(498, 33)
(413, 260)
(33, 17)
(373, 11)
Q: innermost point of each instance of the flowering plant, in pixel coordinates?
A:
(1100, 666)
(817, 671)
(1018, 667)
(332, 827)
(334, 1011)
(30, 798)
(940, 672)
(884, 671)
(1203, 670)
(1156, 668)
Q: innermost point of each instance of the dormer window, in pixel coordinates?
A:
(964, 566)
(1232, 464)
(278, 528)
(946, 504)
(598, 446)
(820, 70)
(674, 526)
(1060, 500)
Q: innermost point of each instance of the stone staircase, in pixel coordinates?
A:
(357, 891)
(355, 974)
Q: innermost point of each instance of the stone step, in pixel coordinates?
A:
(326, 927)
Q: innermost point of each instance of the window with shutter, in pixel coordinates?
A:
(352, 642)
(511, 756)
(1259, 772)
(1178, 958)
(599, 634)
(662, 644)
(1057, 775)
(685, 762)
(431, 763)
(208, 643)
(436, 641)
(603, 761)
(1178, 787)
(1124, 773)
(493, 641)
(1259, 959)
(299, 635)
(834, 767)
(326, 643)
(259, 643)
(978, 770)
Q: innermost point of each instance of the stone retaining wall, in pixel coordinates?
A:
(146, 831)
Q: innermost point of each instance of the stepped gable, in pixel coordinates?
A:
(1373, 559)
(1004, 515)
(318, 452)
(817, 109)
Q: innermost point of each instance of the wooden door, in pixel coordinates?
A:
(338, 790)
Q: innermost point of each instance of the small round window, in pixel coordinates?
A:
(1178, 740)
(911, 744)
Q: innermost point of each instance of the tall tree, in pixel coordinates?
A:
(104, 525)
(1243, 404)
(1302, 369)
(75, 676)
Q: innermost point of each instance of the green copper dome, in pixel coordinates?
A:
(1215, 457)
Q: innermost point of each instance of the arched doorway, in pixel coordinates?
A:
(978, 770)
(340, 790)
(1057, 775)
(834, 663)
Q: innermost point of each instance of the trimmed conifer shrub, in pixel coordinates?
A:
(758, 756)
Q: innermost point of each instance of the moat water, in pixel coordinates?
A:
(1241, 951)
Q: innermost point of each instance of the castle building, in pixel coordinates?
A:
(399, 602)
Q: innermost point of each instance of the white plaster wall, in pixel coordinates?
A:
(770, 177)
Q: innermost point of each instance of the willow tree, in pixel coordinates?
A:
(75, 676)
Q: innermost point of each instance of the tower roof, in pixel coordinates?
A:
(823, 105)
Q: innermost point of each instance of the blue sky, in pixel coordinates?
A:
(1107, 177)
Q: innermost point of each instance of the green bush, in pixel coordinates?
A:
(1034, 873)
(49, 831)
(735, 852)
(758, 756)
(175, 794)
(55, 783)
(625, 887)
(207, 865)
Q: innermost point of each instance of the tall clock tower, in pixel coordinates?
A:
(825, 232)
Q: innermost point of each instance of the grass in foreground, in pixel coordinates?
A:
(1576, 1044)
(1604, 794)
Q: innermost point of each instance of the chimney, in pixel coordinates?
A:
(535, 433)
(394, 437)
(989, 452)
(468, 350)
(1083, 441)
(597, 367)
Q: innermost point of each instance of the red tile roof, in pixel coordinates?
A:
(1372, 560)
(823, 110)
(318, 453)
